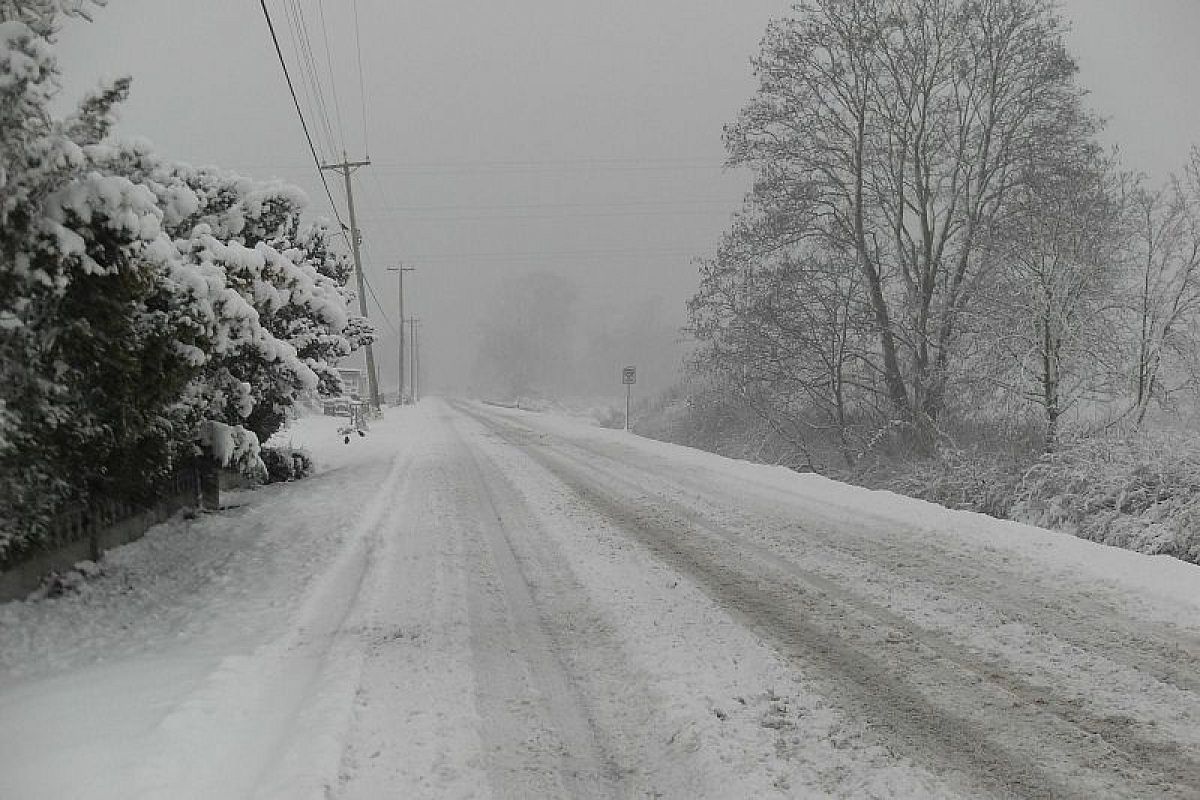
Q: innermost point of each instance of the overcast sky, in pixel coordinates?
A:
(581, 137)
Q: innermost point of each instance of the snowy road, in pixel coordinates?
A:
(477, 602)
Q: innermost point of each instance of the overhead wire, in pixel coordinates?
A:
(596, 253)
(303, 124)
(565, 166)
(337, 107)
(309, 62)
(305, 87)
(303, 42)
(342, 139)
(297, 48)
(614, 204)
(379, 305)
(342, 228)
(386, 204)
(362, 92)
(712, 213)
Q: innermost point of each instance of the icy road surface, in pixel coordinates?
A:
(476, 602)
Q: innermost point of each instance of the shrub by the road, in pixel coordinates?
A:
(286, 463)
(1140, 492)
(970, 480)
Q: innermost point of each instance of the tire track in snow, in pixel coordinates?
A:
(415, 728)
(1116, 673)
(1174, 654)
(987, 737)
(435, 719)
(282, 706)
(540, 739)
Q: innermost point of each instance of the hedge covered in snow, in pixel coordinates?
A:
(149, 310)
(1139, 492)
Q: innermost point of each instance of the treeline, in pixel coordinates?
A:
(936, 242)
(541, 339)
(150, 312)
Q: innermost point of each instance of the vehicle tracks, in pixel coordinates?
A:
(540, 739)
(926, 696)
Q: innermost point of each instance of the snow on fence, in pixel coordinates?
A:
(84, 533)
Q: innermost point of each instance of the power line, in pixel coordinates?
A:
(389, 233)
(517, 211)
(712, 213)
(309, 72)
(548, 169)
(292, 28)
(337, 138)
(548, 165)
(382, 313)
(501, 256)
(371, 292)
(296, 102)
(309, 61)
(337, 108)
(362, 92)
(612, 204)
(321, 172)
(584, 160)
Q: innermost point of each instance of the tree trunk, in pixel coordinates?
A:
(893, 378)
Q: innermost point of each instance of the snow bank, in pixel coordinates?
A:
(207, 651)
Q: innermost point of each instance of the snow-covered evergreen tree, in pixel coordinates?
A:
(147, 309)
(88, 359)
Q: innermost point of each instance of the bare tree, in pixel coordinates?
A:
(1165, 283)
(890, 134)
(789, 330)
(527, 343)
(1056, 305)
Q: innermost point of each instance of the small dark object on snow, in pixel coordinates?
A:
(356, 422)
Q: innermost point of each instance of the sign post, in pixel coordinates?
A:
(628, 377)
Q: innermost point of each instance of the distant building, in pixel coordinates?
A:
(354, 383)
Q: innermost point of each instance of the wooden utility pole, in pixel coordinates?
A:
(345, 168)
(400, 270)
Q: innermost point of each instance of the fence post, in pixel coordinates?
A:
(94, 523)
(210, 483)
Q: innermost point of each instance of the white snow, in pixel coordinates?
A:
(205, 643)
(436, 614)
(1174, 582)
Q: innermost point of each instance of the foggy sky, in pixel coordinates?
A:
(570, 136)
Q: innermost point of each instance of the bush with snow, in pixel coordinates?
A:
(1138, 492)
(73, 580)
(286, 463)
(149, 311)
(966, 479)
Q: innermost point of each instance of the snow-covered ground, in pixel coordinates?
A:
(482, 602)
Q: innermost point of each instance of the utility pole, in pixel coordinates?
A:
(355, 241)
(412, 358)
(400, 270)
